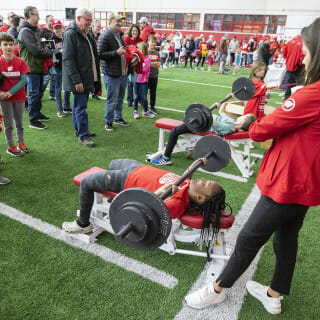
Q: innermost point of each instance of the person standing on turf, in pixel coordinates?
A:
(288, 179)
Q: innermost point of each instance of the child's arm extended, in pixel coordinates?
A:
(19, 85)
(155, 64)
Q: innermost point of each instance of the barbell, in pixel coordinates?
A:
(198, 117)
(141, 219)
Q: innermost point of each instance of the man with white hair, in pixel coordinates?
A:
(146, 29)
(80, 71)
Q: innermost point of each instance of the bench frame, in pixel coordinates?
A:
(242, 159)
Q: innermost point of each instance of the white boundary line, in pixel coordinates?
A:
(200, 83)
(129, 264)
(229, 309)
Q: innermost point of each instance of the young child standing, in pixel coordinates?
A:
(256, 104)
(237, 62)
(141, 86)
(57, 38)
(12, 94)
(154, 72)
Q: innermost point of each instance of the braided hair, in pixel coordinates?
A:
(211, 212)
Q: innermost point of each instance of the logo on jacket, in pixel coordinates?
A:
(288, 105)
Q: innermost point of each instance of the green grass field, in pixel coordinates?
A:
(43, 278)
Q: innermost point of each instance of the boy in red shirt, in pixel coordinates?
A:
(12, 94)
(126, 173)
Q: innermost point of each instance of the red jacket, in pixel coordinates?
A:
(129, 42)
(146, 32)
(290, 170)
(131, 50)
(293, 54)
(256, 104)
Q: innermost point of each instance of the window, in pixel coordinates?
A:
(128, 19)
(178, 21)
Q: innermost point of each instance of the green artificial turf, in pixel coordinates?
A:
(43, 278)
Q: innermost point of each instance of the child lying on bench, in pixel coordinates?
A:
(206, 196)
(222, 124)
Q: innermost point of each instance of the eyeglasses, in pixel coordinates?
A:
(87, 20)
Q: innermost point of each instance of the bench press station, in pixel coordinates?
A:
(120, 215)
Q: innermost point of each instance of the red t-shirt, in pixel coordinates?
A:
(130, 42)
(152, 179)
(256, 104)
(12, 71)
(203, 47)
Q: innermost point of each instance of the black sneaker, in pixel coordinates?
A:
(42, 117)
(154, 110)
(60, 114)
(109, 127)
(87, 143)
(67, 110)
(36, 124)
(121, 122)
(96, 97)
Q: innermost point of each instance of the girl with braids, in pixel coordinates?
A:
(126, 173)
(288, 179)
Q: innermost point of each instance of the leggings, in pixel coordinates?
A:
(112, 179)
(267, 218)
(202, 59)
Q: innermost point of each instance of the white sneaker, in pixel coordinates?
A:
(257, 290)
(205, 297)
(73, 227)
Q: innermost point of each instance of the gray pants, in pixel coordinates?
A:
(12, 111)
(112, 179)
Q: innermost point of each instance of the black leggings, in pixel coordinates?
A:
(202, 59)
(186, 57)
(173, 138)
(112, 179)
(267, 218)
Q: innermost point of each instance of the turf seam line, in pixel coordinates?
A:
(148, 272)
(230, 308)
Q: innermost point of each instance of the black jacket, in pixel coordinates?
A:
(189, 46)
(77, 60)
(107, 51)
(57, 55)
(264, 54)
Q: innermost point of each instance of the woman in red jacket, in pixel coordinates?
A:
(288, 179)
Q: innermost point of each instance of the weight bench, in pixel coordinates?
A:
(185, 229)
(186, 142)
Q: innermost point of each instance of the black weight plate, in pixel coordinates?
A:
(141, 206)
(221, 156)
(198, 118)
(248, 88)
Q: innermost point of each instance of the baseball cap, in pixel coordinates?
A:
(143, 20)
(265, 37)
(55, 23)
(115, 16)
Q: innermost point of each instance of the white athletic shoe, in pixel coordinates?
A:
(257, 290)
(205, 297)
(73, 227)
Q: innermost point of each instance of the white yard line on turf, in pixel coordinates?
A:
(129, 264)
(229, 309)
(200, 83)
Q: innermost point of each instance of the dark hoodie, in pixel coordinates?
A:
(77, 60)
(30, 48)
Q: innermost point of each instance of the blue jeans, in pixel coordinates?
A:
(116, 89)
(79, 114)
(140, 94)
(35, 88)
(58, 89)
(130, 93)
(46, 79)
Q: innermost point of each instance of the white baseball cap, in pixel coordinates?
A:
(143, 20)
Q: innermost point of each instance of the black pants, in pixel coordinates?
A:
(173, 138)
(268, 217)
(111, 180)
(232, 57)
(293, 77)
(152, 85)
(186, 57)
(202, 59)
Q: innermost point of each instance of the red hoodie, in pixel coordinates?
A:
(290, 170)
(293, 54)
(146, 32)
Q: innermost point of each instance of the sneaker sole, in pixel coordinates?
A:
(109, 130)
(44, 120)
(34, 127)
(14, 155)
(272, 311)
(83, 230)
(162, 164)
(121, 124)
(24, 151)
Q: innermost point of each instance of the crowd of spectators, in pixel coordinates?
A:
(71, 58)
